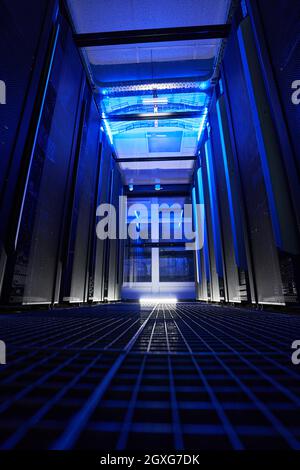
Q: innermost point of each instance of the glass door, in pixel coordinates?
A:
(159, 263)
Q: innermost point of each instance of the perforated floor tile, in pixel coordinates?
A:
(118, 376)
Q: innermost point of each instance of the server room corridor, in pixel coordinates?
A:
(150, 214)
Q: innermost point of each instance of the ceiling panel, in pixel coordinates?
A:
(162, 165)
(185, 101)
(152, 52)
(154, 175)
(148, 61)
(120, 15)
(167, 139)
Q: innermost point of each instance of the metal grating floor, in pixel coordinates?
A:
(122, 377)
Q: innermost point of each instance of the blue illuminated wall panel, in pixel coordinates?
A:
(203, 286)
(35, 277)
(25, 32)
(115, 261)
(18, 56)
(278, 44)
(282, 40)
(216, 280)
(101, 263)
(272, 161)
(214, 204)
(197, 260)
(232, 286)
(82, 227)
(269, 264)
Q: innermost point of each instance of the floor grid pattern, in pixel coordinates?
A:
(123, 377)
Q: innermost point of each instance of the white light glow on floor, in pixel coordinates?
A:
(158, 300)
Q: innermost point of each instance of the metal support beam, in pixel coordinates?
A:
(155, 159)
(217, 31)
(153, 116)
(148, 194)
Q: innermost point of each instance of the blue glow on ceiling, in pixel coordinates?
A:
(156, 137)
(204, 85)
(139, 87)
(164, 141)
(141, 103)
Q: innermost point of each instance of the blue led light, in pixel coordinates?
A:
(153, 86)
(204, 85)
(228, 184)
(221, 86)
(202, 124)
(107, 128)
(198, 260)
(204, 224)
(37, 128)
(157, 187)
(130, 187)
(214, 206)
(244, 8)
